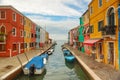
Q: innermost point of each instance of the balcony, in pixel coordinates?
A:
(2, 37)
(109, 30)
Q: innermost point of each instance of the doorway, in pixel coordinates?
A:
(111, 53)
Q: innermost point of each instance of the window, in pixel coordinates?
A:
(22, 46)
(91, 29)
(100, 25)
(24, 22)
(32, 35)
(21, 33)
(2, 47)
(14, 16)
(25, 45)
(24, 34)
(110, 17)
(14, 31)
(21, 20)
(2, 29)
(14, 47)
(2, 15)
(91, 10)
(100, 3)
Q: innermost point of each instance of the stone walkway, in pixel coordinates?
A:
(104, 71)
(8, 64)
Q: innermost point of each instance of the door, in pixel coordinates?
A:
(111, 53)
(19, 48)
(100, 50)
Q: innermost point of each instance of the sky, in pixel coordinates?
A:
(55, 16)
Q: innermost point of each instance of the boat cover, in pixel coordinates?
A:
(44, 55)
(37, 61)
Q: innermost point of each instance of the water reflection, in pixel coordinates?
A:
(70, 65)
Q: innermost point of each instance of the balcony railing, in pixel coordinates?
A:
(108, 30)
(2, 37)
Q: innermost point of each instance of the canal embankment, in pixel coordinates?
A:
(10, 67)
(97, 70)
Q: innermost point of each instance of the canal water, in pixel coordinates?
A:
(58, 69)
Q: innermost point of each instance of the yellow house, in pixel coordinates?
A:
(27, 33)
(104, 29)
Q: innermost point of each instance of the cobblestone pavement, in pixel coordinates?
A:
(104, 71)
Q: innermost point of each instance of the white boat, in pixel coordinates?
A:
(39, 65)
(50, 51)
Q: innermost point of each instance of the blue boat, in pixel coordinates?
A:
(39, 65)
(66, 52)
(69, 58)
(45, 57)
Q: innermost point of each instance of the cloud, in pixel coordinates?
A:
(58, 16)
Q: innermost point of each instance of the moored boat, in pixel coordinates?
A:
(50, 51)
(39, 65)
(45, 57)
(69, 58)
(66, 52)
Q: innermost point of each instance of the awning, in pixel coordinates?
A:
(91, 41)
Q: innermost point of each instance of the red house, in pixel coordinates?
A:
(11, 31)
(33, 36)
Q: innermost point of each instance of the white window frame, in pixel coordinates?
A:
(21, 33)
(0, 15)
(14, 15)
(13, 32)
(21, 20)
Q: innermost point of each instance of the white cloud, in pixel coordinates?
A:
(51, 7)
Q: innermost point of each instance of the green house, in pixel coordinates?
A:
(81, 36)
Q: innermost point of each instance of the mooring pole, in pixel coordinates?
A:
(20, 62)
(26, 57)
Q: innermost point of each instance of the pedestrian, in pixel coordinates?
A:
(32, 70)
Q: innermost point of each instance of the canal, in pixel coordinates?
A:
(58, 69)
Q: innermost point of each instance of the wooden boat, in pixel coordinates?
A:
(50, 51)
(39, 65)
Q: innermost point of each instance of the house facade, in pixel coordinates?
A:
(27, 34)
(81, 36)
(104, 27)
(18, 34)
(86, 32)
(33, 36)
(38, 36)
(11, 31)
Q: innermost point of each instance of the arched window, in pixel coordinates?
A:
(2, 29)
(110, 17)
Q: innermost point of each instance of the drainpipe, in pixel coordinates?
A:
(119, 31)
(10, 52)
